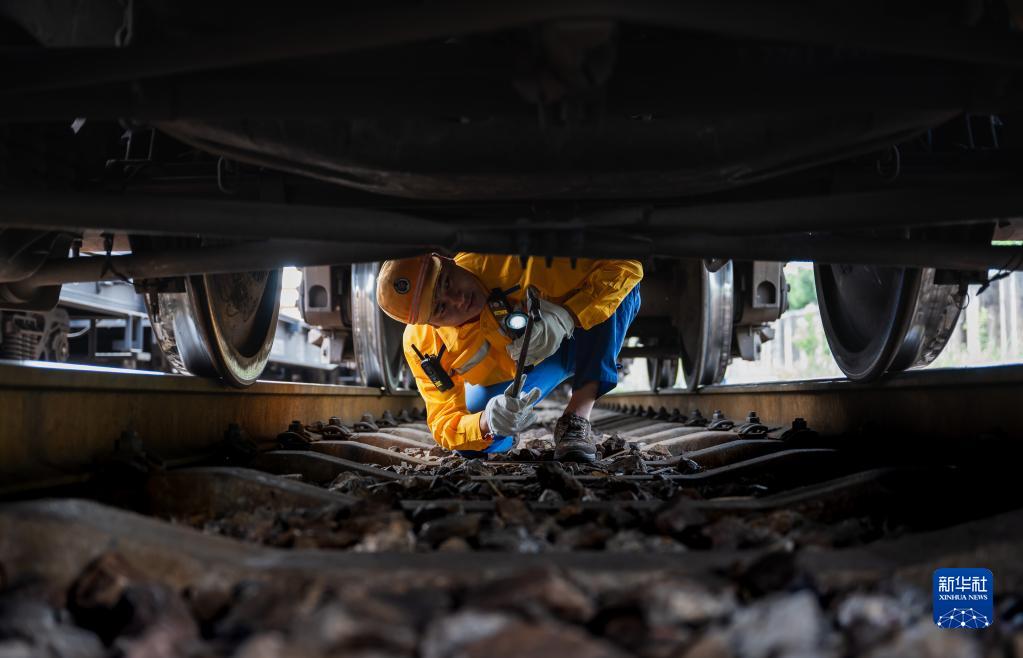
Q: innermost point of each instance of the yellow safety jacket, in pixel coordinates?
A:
(475, 352)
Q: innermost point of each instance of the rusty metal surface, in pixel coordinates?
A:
(314, 467)
(938, 404)
(688, 440)
(30, 544)
(224, 490)
(57, 538)
(364, 452)
(739, 450)
(386, 440)
(57, 422)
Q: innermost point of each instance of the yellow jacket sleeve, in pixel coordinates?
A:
(603, 289)
(453, 427)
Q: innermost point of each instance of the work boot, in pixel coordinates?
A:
(573, 439)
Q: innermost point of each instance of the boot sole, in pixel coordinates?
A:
(576, 456)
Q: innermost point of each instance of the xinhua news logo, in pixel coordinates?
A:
(963, 598)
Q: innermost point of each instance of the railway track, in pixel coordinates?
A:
(60, 422)
(722, 532)
(938, 404)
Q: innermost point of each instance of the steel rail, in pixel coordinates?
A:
(952, 404)
(61, 422)
(357, 31)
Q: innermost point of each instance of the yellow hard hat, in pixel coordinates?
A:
(405, 287)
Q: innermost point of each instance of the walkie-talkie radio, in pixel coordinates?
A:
(434, 370)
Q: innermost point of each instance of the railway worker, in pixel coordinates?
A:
(463, 354)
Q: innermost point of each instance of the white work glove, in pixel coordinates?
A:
(507, 415)
(554, 325)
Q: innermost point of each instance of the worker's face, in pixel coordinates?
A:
(458, 298)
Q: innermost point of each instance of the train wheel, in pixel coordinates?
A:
(376, 338)
(707, 305)
(662, 373)
(885, 319)
(222, 325)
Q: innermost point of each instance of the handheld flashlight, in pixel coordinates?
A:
(515, 323)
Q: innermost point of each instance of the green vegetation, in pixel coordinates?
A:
(802, 290)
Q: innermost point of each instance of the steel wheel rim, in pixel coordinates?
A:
(707, 342)
(865, 312)
(933, 320)
(195, 337)
(376, 338)
(238, 346)
(662, 373)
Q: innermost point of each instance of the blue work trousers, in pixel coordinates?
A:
(590, 355)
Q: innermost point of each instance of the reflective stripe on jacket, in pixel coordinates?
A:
(476, 353)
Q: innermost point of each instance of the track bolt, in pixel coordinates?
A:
(688, 466)
(696, 419)
(367, 424)
(387, 419)
(752, 417)
(799, 432)
(236, 447)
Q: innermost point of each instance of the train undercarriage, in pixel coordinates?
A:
(194, 153)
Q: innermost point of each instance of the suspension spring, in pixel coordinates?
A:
(19, 346)
(20, 342)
